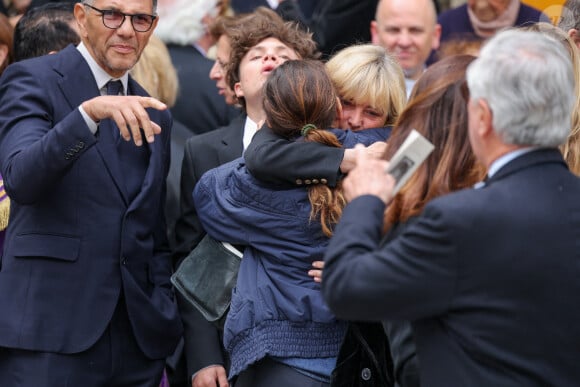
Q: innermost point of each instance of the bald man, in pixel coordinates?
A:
(408, 29)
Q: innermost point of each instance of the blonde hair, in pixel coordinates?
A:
(156, 73)
(571, 148)
(367, 74)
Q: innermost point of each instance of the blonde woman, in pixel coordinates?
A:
(370, 85)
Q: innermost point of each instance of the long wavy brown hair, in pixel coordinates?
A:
(299, 94)
(437, 109)
(571, 148)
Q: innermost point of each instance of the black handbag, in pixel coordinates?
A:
(364, 359)
(206, 277)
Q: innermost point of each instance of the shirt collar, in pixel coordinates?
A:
(250, 128)
(505, 159)
(101, 76)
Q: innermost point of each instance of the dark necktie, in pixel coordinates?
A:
(133, 160)
(114, 87)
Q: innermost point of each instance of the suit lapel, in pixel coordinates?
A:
(75, 71)
(232, 142)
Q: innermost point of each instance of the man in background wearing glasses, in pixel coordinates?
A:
(84, 151)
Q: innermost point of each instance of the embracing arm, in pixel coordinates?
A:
(273, 159)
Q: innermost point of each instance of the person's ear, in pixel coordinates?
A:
(574, 34)
(374, 32)
(436, 37)
(238, 90)
(80, 13)
(485, 126)
(154, 24)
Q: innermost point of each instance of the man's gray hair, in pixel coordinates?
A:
(91, 2)
(528, 83)
(570, 17)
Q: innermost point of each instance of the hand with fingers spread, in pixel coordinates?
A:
(129, 114)
(368, 177)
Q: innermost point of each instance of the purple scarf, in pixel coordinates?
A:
(4, 212)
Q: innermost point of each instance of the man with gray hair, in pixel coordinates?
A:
(570, 20)
(488, 276)
(85, 289)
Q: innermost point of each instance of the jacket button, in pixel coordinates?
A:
(124, 261)
(323, 181)
(315, 181)
(307, 182)
(298, 181)
(366, 374)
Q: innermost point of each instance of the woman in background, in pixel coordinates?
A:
(370, 85)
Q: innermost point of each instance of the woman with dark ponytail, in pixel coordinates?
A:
(279, 331)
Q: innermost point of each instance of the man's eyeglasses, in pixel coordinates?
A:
(112, 19)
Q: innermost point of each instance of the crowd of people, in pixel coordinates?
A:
(131, 130)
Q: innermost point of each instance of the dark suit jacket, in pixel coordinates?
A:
(179, 135)
(76, 242)
(203, 343)
(488, 277)
(198, 105)
(269, 155)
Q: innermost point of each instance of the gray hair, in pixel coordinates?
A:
(528, 83)
(570, 18)
(91, 2)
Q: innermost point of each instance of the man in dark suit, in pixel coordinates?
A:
(85, 293)
(488, 276)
